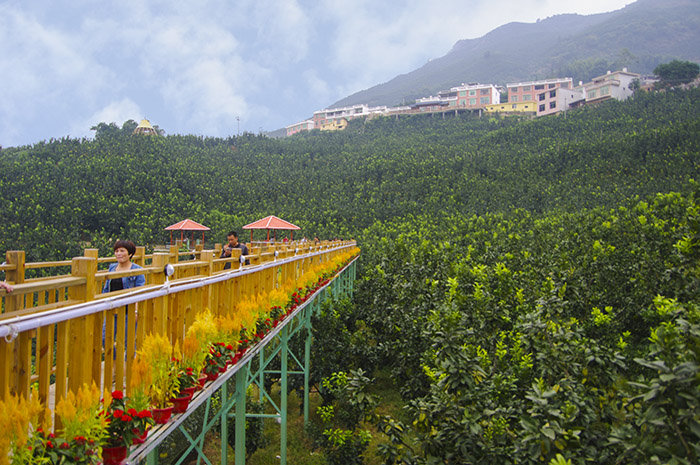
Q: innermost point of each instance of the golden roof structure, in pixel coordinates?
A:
(145, 127)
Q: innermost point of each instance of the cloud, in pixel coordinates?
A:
(373, 42)
(46, 73)
(115, 112)
(197, 67)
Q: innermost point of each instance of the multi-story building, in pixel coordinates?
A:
(516, 107)
(322, 117)
(337, 124)
(430, 104)
(556, 100)
(471, 96)
(543, 97)
(307, 125)
(528, 91)
(617, 85)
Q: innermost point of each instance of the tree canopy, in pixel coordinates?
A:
(677, 72)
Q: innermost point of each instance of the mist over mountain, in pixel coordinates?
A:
(639, 37)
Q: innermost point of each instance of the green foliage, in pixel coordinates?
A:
(254, 437)
(60, 194)
(537, 346)
(339, 435)
(531, 285)
(676, 72)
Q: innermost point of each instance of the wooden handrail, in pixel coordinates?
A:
(61, 354)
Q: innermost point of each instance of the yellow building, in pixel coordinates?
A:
(334, 125)
(513, 107)
(145, 127)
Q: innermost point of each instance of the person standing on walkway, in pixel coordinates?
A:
(123, 252)
(233, 243)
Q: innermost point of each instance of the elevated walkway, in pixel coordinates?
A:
(59, 333)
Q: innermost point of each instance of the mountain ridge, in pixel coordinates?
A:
(639, 36)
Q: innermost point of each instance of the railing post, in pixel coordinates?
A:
(13, 363)
(92, 253)
(207, 256)
(97, 323)
(255, 255)
(174, 257)
(16, 276)
(140, 256)
(160, 304)
(81, 345)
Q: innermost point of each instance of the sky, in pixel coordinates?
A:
(220, 68)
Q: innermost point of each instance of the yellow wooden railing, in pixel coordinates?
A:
(61, 331)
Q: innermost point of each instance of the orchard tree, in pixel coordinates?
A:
(676, 72)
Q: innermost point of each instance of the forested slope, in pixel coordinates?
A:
(54, 194)
(531, 287)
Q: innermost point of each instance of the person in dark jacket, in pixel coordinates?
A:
(233, 243)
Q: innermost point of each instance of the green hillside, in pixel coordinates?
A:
(530, 288)
(55, 194)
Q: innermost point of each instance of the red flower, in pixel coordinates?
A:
(117, 413)
(118, 395)
(49, 444)
(126, 418)
(64, 445)
(144, 414)
(132, 412)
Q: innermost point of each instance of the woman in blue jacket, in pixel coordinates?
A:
(123, 252)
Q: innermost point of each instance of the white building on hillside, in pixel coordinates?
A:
(617, 85)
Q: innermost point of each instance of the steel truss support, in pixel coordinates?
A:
(230, 390)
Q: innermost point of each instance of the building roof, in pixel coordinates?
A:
(271, 222)
(145, 124)
(145, 127)
(541, 81)
(187, 225)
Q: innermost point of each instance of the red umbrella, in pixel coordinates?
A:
(186, 225)
(271, 222)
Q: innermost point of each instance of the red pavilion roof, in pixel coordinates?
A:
(187, 225)
(271, 222)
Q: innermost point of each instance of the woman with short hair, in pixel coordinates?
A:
(123, 252)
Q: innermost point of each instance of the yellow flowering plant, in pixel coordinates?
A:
(138, 401)
(157, 353)
(22, 438)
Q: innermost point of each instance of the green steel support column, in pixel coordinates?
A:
(152, 458)
(284, 335)
(224, 425)
(201, 442)
(307, 366)
(261, 376)
(240, 416)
